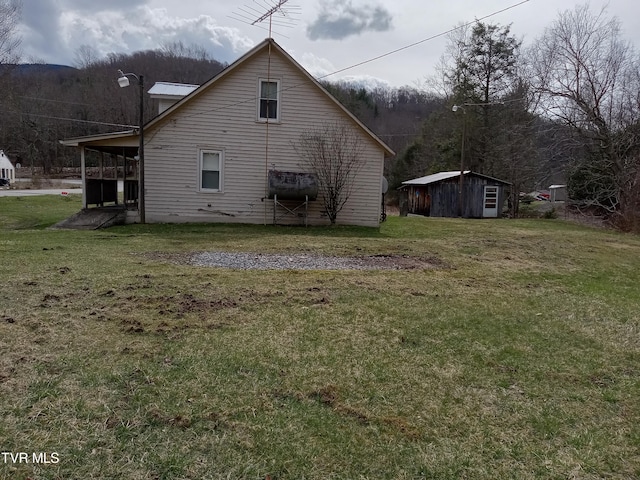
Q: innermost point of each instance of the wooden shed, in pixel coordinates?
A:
(438, 195)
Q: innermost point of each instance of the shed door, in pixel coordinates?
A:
(490, 208)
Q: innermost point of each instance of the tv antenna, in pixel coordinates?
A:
(276, 13)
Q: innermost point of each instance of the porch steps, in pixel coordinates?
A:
(94, 218)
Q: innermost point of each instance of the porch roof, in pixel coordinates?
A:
(107, 142)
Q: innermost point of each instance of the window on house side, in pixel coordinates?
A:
(269, 100)
(211, 170)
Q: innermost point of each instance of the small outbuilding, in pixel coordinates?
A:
(451, 194)
(7, 170)
(558, 193)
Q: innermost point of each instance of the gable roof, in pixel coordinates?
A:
(4, 160)
(269, 43)
(128, 138)
(438, 177)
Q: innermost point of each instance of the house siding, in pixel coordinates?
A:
(224, 117)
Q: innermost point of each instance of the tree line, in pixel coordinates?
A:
(563, 110)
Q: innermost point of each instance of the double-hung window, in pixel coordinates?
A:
(211, 170)
(269, 100)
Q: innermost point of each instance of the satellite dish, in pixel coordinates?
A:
(385, 185)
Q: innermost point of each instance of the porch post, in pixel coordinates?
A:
(83, 174)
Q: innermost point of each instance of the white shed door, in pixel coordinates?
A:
(490, 209)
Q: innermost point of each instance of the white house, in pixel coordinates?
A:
(7, 170)
(208, 157)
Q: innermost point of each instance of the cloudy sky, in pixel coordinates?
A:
(325, 36)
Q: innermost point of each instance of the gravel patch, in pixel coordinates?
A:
(268, 261)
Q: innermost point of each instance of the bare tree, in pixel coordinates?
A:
(587, 77)
(10, 11)
(334, 153)
(85, 56)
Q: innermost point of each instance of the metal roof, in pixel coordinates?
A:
(126, 138)
(169, 89)
(436, 177)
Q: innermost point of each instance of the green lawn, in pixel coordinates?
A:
(516, 356)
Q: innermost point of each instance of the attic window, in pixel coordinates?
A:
(269, 100)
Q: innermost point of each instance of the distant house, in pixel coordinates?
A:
(7, 170)
(208, 155)
(438, 195)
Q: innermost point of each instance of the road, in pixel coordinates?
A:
(44, 191)
(50, 190)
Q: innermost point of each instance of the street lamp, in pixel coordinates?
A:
(123, 81)
(455, 108)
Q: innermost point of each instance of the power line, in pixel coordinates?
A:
(406, 47)
(57, 101)
(23, 114)
(433, 37)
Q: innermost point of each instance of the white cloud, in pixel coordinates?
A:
(317, 66)
(364, 81)
(340, 19)
(142, 28)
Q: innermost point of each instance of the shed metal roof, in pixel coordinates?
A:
(436, 177)
(440, 176)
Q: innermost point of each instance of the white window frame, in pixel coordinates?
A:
(277, 100)
(201, 154)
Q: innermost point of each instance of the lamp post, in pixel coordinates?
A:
(123, 81)
(455, 108)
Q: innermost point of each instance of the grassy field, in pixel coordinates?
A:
(516, 356)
